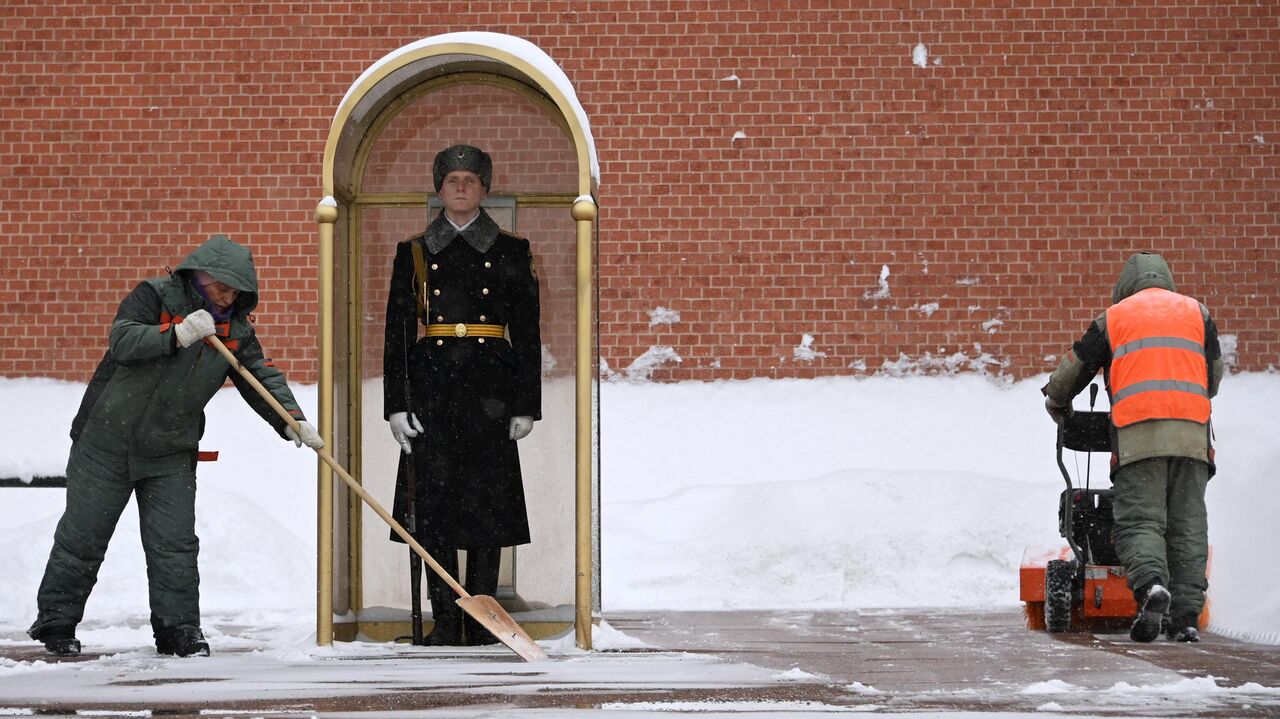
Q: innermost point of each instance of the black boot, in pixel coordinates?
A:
(182, 642)
(1154, 603)
(69, 647)
(446, 616)
(446, 628)
(60, 641)
(1183, 629)
(482, 579)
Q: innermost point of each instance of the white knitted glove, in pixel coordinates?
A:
(195, 327)
(308, 435)
(403, 426)
(521, 427)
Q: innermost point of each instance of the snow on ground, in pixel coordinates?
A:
(825, 493)
(287, 666)
(919, 491)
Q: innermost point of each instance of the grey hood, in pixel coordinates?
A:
(1142, 271)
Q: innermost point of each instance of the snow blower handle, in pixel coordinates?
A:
(1088, 456)
(329, 460)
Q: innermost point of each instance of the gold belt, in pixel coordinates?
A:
(465, 330)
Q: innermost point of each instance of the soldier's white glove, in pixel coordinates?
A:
(1058, 412)
(307, 435)
(521, 427)
(403, 426)
(195, 327)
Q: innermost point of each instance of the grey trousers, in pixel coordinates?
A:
(1162, 528)
(99, 485)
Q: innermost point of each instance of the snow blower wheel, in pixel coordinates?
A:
(1059, 592)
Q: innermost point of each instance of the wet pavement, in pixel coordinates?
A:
(980, 661)
(708, 663)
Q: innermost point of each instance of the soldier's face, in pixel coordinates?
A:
(461, 192)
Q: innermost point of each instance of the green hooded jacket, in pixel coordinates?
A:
(1156, 437)
(148, 393)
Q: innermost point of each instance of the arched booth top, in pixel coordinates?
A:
(432, 57)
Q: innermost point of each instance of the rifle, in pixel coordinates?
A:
(411, 520)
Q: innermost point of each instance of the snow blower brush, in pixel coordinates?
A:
(483, 609)
(1082, 586)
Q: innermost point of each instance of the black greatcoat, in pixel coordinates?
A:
(465, 390)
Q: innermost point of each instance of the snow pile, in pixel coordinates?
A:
(603, 638)
(824, 493)
(982, 363)
(855, 538)
(642, 367)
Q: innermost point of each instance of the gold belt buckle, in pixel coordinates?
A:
(460, 330)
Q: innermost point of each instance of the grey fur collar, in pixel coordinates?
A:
(480, 234)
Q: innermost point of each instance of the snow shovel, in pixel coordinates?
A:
(483, 609)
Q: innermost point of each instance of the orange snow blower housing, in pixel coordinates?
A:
(1082, 586)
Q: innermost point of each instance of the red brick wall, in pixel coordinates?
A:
(1005, 181)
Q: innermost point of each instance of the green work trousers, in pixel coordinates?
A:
(99, 485)
(1162, 528)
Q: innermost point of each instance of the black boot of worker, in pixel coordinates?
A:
(182, 642)
(1154, 602)
(446, 616)
(482, 579)
(1183, 629)
(60, 641)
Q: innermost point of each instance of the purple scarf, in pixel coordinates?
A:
(218, 315)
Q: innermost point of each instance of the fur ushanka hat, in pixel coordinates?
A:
(462, 157)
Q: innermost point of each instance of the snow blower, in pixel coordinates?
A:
(1082, 586)
(483, 609)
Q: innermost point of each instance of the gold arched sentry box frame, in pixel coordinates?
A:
(382, 84)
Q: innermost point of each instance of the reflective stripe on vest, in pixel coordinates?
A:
(1158, 368)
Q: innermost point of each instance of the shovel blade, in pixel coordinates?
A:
(493, 617)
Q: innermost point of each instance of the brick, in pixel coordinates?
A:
(1054, 138)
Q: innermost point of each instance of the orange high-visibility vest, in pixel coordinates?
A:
(1158, 367)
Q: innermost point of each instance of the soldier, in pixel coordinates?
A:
(137, 433)
(1163, 364)
(459, 397)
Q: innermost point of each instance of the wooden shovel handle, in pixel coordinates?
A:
(329, 460)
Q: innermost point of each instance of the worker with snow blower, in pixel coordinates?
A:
(459, 397)
(137, 434)
(1162, 363)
